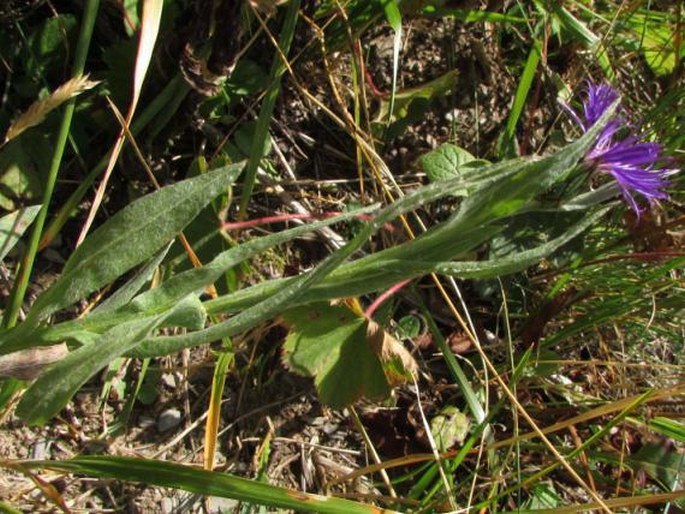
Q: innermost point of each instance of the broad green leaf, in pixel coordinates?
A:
(55, 387)
(50, 45)
(12, 227)
(449, 428)
(132, 236)
(654, 32)
(331, 344)
(449, 161)
(206, 483)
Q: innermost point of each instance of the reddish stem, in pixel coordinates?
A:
(240, 225)
(387, 294)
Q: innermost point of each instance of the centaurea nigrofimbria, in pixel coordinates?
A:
(635, 164)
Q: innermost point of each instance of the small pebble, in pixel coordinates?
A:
(167, 505)
(169, 380)
(40, 449)
(168, 420)
(145, 421)
(219, 505)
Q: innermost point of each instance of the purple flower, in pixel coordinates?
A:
(634, 163)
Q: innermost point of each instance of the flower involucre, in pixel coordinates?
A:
(635, 164)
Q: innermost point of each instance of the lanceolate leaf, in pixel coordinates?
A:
(169, 292)
(132, 236)
(54, 388)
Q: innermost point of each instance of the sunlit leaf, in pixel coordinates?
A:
(343, 352)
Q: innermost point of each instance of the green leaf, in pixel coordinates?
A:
(655, 34)
(408, 327)
(669, 428)
(196, 279)
(331, 344)
(519, 260)
(543, 496)
(50, 45)
(661, 463)
(508, 143)
(206, 483)
(132, 236)
(449, 161)
(449, 428)
(410, 103)
(392, 14)
(13, 225)
(167, 294)
(507, 197)
(55, 387)
(125, 293)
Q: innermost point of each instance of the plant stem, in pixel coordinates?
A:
(26, 266)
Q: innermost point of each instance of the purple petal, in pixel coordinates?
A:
(635, 164)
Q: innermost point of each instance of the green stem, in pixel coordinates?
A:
(22, 280)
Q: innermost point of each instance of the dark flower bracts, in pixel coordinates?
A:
(635, 164)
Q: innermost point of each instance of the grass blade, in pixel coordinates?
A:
(278, 68)
(206, 483)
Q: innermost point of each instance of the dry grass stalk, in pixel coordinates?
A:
(39, 109)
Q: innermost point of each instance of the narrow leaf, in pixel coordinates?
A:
(206, 483)
(55, 387)
(125, 293)
(132, 236)
(169, 292)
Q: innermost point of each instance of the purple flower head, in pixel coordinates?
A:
(634, 163)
